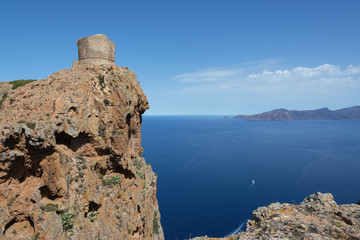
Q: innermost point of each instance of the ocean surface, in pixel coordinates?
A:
(213, 172)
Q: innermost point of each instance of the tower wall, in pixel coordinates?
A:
(97, 50)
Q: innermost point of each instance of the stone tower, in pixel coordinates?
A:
(96, 50)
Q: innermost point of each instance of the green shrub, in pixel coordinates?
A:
(80, 156)
(106, 102)
(141, 175)
(101, 81)
(30, 125)
(3, 98)
(117, 133)
(36, 237)
(156, 225)
(67, 221)
(10, 202)
(93, 215)
(4, 95)
(101, 177)
(101, 130)
(112, 180)
(21, 82)
(138, 164)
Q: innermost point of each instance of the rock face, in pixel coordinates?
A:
(350, 113)
(70, 158)
(317, 217)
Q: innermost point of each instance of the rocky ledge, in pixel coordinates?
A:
(317, 217)
(70, 158)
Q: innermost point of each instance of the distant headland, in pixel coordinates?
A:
(350, 113)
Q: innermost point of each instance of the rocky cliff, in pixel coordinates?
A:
(70, 158)
(317, 217)
(350, 113)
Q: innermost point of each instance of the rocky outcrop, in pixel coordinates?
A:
(70, 158)
(350, 113)
(317, 217)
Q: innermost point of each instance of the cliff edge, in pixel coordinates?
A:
(70, 157)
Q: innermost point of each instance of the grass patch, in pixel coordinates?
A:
(30, 125)
(338, 224)
(21, 82)
(50, 207)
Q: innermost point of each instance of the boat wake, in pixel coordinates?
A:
(252, 184)
(237, 230)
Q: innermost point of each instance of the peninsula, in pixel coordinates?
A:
(350, 113)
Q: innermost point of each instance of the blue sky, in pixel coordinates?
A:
(200, 56)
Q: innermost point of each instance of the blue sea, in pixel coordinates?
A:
(213, 172)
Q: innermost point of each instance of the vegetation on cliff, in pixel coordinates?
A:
(20, 83)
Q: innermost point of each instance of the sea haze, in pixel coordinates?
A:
(206, 167)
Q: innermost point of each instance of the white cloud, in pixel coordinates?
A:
(223, 74)
(257, 78)
(207, 75)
